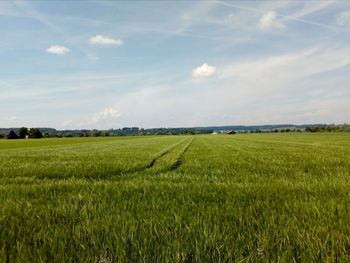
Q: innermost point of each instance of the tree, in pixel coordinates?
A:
(188, 132)
(23, 132)
(35, 133)
(312, 129)
(12, 135)
(96, 133)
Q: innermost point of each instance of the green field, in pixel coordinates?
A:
(203, 198)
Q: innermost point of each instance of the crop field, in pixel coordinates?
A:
(203, 198)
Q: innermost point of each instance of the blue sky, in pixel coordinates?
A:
(111, 64)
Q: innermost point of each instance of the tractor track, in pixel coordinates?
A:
(155, 159)
(179, 160)
(148, 167)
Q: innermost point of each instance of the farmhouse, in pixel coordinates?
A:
(230, 132)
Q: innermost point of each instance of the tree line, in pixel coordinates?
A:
(23, 132)
(332, 128)
(33, 133)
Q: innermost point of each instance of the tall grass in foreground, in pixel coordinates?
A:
(213, 198)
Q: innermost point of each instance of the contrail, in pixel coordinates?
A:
(31, 12)
(283, 16)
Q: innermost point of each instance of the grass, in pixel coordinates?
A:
(207, 198)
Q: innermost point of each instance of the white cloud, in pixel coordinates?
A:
(58, 50)
(101, 119)
(101, 40)
(107, 113)
(204, 71)
(343, 18)
(269, 21)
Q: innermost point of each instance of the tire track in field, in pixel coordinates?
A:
(133, 172)
(179, 160)
(155, 159)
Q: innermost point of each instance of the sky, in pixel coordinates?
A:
(112, 64)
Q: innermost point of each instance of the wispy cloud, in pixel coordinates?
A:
(8, 118)
(31, 12)
(277, 73)
(256, 91)
(92, 56)
(270, 21)
(311, 7)
(343, 18)
(66, 123)
(249, 75)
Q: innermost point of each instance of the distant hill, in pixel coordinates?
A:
(261, 127)
(51, 132)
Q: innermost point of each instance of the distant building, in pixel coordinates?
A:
(230, 132)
